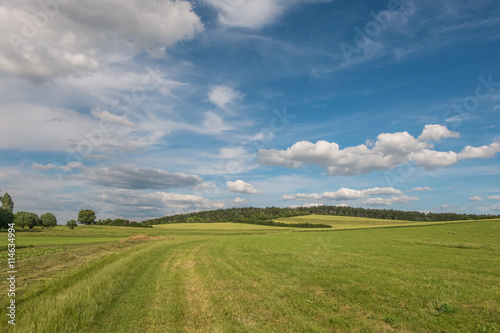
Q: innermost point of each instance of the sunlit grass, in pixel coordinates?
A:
(438, 278)
(348, 222)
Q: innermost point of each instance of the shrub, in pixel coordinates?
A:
(71, 224)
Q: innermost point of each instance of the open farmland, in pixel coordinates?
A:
(231, 277)
(347, 222)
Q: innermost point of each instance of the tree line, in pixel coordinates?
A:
(122, 223)
(247, 214)
(23, 219)
(88, 217)
(392, 214)
(253, 214)
(30, 220)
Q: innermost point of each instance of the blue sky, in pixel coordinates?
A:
(140, 109)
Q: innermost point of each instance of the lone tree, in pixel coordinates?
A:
(71, 224)
(7, 202)
(6, 217)
(48, 220)
(26, 219)
(86, 216)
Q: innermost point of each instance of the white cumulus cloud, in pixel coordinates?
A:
(431, 159)
(387, 152)
(436, 132)
(486, 151)
(421, 189)
(241, 187)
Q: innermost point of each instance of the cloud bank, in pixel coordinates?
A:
(387, 152)
(343, 194)
(157, 202)
(127, 177)
(46, 39)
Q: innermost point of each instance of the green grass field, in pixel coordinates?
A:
(230, 277)
(347, 222)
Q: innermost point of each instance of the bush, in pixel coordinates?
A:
(71, 224)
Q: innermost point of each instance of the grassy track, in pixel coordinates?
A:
(442, 278)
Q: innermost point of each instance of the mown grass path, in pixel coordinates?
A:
(78, 300)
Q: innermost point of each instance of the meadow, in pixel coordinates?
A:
(348, 222)
(363, 275)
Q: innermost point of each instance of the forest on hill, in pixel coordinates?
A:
(254, 214)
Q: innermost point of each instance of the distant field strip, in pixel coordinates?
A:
(348, 222)
(219, 228)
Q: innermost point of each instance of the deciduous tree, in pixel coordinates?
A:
(86, 216)
(7, 202)
(48, 220)
(6, 217)
(26, 219)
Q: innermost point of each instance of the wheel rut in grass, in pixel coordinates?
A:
(149, 300)
(79, 300)
(180, 302)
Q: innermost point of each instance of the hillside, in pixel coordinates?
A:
(253, 214)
